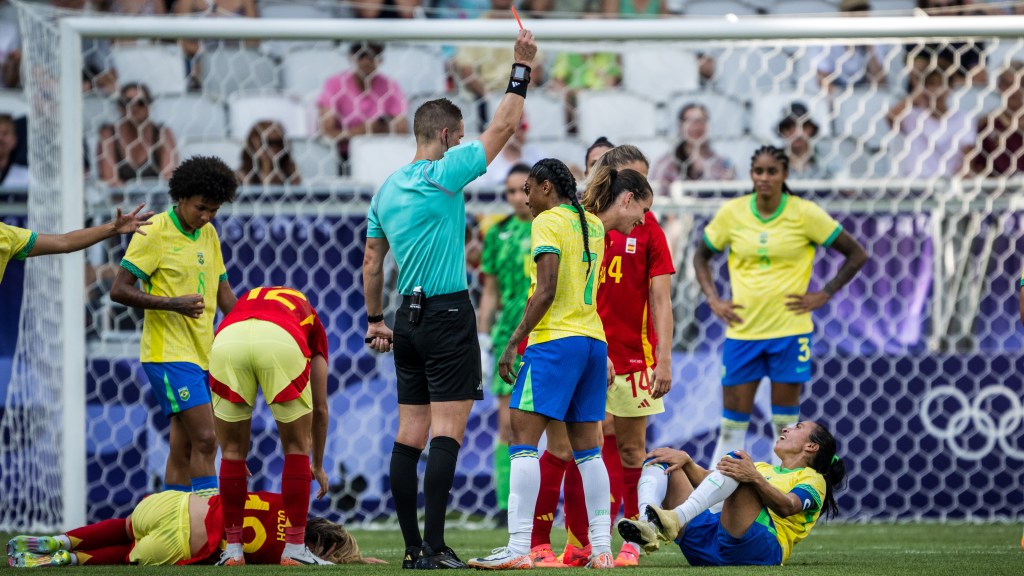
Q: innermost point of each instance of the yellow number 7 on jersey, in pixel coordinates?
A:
(588, 299)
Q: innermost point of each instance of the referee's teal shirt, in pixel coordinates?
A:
(421, 211)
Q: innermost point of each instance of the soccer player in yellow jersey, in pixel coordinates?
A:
(766, 509)
(564, 371)
(19, 243)
(771, 236)
(184, 282)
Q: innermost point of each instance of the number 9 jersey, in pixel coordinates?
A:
(574, 309)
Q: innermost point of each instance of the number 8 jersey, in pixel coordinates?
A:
(574, 310)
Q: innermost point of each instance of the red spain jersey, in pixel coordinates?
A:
(623, 300)
(287, 308)
(262, 537)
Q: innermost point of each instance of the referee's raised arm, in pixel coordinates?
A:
(510, 111)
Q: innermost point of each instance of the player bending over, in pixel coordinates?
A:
(767, 509)
(181, 528)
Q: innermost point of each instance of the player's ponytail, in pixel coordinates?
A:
(827, 463)
(778, 154)
(556, 172)
(607, 184)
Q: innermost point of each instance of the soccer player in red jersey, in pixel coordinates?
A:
(174, 527)
(272, 340)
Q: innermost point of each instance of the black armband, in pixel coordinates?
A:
(374, 319)
(519, 80)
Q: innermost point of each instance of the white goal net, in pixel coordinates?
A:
(910, 136)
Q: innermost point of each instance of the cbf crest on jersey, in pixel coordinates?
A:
(199, 256)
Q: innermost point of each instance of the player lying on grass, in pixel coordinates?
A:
(767, 509)
(181, 528)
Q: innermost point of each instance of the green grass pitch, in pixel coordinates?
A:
(836, 550)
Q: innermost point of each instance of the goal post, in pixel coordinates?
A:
(913, 360)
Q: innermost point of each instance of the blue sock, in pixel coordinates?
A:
(205, 486)
(177, 488)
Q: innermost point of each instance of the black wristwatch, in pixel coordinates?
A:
(520, 73)
(374, 319)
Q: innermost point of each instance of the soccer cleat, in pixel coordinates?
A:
(443, 560)
(665, 521)
(544, 557)
(575, 557)
(229, 558)
(304, 558)
(602, 561)
(31, 560)
(628, 556)
(502, 559)
(640, 532)
(412, 553)
(33, 544)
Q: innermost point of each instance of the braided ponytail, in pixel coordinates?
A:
(558, 173)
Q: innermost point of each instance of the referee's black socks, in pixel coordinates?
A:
(437, 485)
(404, 489)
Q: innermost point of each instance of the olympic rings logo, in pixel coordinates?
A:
(972, 412)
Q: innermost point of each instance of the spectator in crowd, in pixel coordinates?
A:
(388, 9)
(135, 146)
(216, 9)
(572, 72)
(634, 8)
(693, 157)
(963, 62)
(561, 8)
(10, 54)
(136, 7)
(841, 66)
(935, 137)
(799, 132)
(266, 156)
(12, 175)
(516, 151)
(599, 147)
(1002, 132)
(361, 101)
(462, 8)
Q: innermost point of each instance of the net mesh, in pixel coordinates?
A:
(915, 361)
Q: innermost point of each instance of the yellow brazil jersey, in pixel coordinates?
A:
(574, 310)
(768, 259)
(171, 263)
(15, 244)
(810, 487)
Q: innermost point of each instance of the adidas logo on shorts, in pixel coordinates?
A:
(645, 404)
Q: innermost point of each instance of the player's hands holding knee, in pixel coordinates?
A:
(191, 305)
(739, 467)
(675, 459)
(525, 48)
(380, 337)
(662, 381)
(507, 364)
(321, 479)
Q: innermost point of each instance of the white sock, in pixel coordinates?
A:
(598, 493)
(651, 489)
(236, 550)
(731, 437)
(780, 421)
(74, 558)
(524, 485)
(715, 488)
(65, 542)
(292, 549)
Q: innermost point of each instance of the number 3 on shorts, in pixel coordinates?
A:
(588, 295)
(805, 349)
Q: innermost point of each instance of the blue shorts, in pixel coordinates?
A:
(785, 360)
(564, 379)
(705, 543)
(178, 386)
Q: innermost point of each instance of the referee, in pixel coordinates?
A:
(420, 213)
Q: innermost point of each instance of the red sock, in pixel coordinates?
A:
(295, 482)
(106, 556)
(577, 522)
(610, 455)
(100, 535)
(234, 489)
(630, 503)
(552, 470)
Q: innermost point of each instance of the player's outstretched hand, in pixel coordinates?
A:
(675, 459)
(380, 337)
(662, 381)
(132, 221)
(740, 469)
(507, 364)
(525, 48)
(806, 303)
(321, 479)
(726, 310)
(191, 305)
(372, 560)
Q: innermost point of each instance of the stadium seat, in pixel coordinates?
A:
(225, 71)
(659, 73)
(160, 67)
(544, 112)
(718, 8)
(744, 72)
(728, 116)
(617, 114)
(227, 149)
(768, 109)
(569, 150)
(245, 109)
(998, 56)
(861, 114)
(373, 158)
(418, 69)
(975, 101)
(653, 148)
(816, 8)
(739, 151)
(191, 116)
(314, 11)
(13, 102)
(890, 7)
(315, 158)
(97, 110)
(305, 71)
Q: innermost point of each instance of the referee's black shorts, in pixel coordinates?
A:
(438, 359)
